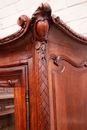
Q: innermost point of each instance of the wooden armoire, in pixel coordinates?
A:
(43, 69)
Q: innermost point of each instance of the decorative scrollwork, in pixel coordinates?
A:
(59, 58)
(24, 22)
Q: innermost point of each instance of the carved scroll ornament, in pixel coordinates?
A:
(22, 21)
(58, 59)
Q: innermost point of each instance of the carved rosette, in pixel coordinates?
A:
(40, 24)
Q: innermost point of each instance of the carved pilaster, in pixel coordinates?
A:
(40, 24)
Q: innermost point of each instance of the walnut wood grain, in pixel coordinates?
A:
(46, 64)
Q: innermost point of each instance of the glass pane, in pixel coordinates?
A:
(6, 108)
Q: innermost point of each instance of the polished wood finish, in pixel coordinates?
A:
(67, 78)
(46, 64)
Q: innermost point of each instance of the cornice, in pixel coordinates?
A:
(39, 24)
(62, 25)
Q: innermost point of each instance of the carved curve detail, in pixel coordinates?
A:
(24, 22)
(40, 22)
(67, 29)
(57, 59)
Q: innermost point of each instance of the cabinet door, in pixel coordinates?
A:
(68, 94)
(13, 87)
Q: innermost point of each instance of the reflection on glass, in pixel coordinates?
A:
(6, 108)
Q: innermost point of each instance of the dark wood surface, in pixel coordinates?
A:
(46, 64)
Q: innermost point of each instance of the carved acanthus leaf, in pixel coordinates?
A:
(58, 59)
(41, 49)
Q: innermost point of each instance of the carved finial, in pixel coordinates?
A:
(43, 10)
(40, 22)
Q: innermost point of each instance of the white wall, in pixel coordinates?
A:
(73, 12)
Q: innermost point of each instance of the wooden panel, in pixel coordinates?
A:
(68, 97)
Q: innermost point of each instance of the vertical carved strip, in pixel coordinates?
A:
(40, 24)
(43, 87)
